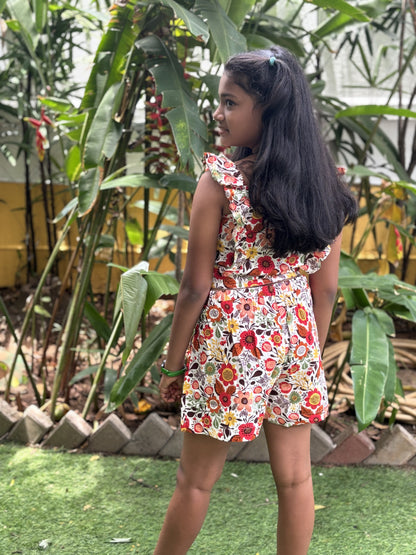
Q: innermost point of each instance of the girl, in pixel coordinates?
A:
(256, 297)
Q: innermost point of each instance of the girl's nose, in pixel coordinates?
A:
(217, 115)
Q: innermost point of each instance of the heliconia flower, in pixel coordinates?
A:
(35, 122)
(45, 118)
(399, 243)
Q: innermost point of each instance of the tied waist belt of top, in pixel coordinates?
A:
(245, 282)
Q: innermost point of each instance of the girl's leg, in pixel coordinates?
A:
(289, 450)
(201, 464)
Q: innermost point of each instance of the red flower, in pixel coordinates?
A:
(225, 399)
(207, 332)
(250, 235)
(206, 421)
(227, 306)
(276, 339)
(267, 290)
(265, 264)
(246, 431)
(293, 369)
(292, 259)
(224, 395)
(229, 259)
(314, 419)
(313, 399)
(227, 374)
(301, 314)
(310, 338)
(248, 339)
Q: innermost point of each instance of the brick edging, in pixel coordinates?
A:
(155, 437)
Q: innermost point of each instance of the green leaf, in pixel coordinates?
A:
(176, 230)
(41, 14)
(73, 203)
(333, 24)
(390, 385)
(343, 7)
(131, 180)
(98, 323)
(158, 285)
(150, 351)
(133, 288)
(21, 12)
(111, 55)
(73, 165)
(57, 104)
(188, 129)
(237, 9)
(89, 185)
(179, 181)
(134, 232)
(105, 132)
(375, 110)
(369, 363)
(385, 321)
(194, 23)
(224, 33)
(363, 126)
(39, 309)
(84, 373)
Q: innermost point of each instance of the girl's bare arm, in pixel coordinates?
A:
(207, 209)
(324, 285)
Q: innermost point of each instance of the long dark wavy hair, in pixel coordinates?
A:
(294, 183)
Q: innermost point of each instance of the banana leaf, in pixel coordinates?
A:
(150, 351)
(133, 289)
(194, 23)
(237, 9)
(369, 364)
(224, 33)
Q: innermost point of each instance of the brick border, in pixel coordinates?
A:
(154, 437)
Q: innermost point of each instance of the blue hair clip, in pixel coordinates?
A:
(272, 60)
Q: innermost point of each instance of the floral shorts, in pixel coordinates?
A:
(254, 355)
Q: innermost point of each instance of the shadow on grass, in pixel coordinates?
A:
(80, 502)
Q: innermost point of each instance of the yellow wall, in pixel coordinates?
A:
(13, 254)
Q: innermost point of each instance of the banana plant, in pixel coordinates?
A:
(376, 300)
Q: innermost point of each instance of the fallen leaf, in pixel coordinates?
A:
(87, 507)
(319, 507)
(95, 458)
(120, 540)
(44, 544)
(12, 482)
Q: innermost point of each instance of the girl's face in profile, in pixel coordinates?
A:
(239, 120)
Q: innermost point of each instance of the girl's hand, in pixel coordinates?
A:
(171, 388)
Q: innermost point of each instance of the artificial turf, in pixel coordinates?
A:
(77, 503)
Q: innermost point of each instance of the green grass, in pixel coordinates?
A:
(80, 502)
